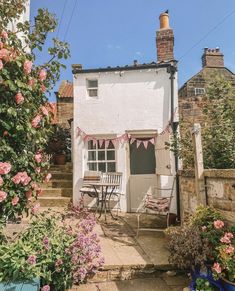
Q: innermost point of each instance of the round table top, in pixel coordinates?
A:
(104, 184)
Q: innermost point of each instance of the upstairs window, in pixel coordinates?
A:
(92, 88)
(199, 91)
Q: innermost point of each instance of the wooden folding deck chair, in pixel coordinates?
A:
(154, 204)
(90, 177)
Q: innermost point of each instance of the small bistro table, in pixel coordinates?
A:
(106, 191)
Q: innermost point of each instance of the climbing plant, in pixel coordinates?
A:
(25, 113)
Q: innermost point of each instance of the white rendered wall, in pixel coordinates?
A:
(132, 100)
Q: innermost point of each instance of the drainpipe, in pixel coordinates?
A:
(172, 69)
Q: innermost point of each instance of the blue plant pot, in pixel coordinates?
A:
(228, 286)
(32, 285)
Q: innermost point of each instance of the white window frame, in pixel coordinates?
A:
(92, 88)
(96, 160)
(199, 91)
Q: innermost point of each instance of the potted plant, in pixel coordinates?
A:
(59, 144)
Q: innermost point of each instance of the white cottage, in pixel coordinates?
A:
(121, 121)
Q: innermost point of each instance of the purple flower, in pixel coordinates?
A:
(82, 273)
(31, 260)
(46, 288)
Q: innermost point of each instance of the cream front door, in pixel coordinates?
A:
(142, 171)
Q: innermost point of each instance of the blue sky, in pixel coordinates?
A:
(115, 32)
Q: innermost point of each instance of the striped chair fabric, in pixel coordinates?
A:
(90, 177)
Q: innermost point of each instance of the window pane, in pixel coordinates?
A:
(91, 156)
(111, 155)
(111, 167)
(92, 83)
(142, 161)
(93, 92)
(90, 145)
(92, 166)
(101, 155)
(101, 147)
(101, 167)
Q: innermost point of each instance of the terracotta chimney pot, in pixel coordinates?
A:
(164, 21)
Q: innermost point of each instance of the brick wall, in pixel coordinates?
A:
(64, 110)
(220, 185)
(165, 45)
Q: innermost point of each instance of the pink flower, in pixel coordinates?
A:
(1, 65)
(3, 196)
(38, 157)
(15, 200)
(44, 111)
(28, 66)
(217, 268)
(32, 260)
(43, 88)
(35, 208)
(229, 250)
(47, 178)
(4, 34)
(4, 168)
(4, 54)
(31, 82)
(218, 224)
(19, 98)
(36, 121)
(1, 181)
(42, 75)
(58, 262)
(227, 238)
(21, 177)
(28, 194)
(46, 288)
(204, 228)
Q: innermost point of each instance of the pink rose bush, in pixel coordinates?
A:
(15, 200)
(5, 168)
(36, 120)
(3, 195)
(19, 98)
(28, 66)
(42, 75)
(21, 177)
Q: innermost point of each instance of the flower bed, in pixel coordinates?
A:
(60, 249)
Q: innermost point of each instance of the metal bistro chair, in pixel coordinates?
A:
(115, 195)
(156, 205)
(87, 189)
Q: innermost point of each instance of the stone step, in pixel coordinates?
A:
(64, 176)
(54, 201)
(57, 192)
(58, 183)
(62, 167)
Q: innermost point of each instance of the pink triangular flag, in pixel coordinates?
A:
(146, 143)
(94, 142)
(107, 143)
(138, 143)
(115, 142)
(100, 141)
(132, 140)
(152, 140)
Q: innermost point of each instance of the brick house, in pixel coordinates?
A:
(191, 93)
(64, 101)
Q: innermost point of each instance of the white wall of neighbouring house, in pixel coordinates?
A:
(127, 101)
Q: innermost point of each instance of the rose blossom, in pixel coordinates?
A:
(44, 111)
(35, 208)
(31, 82)
(227, 238)
(204, 228)
(21, 177)
(3, 196)
(46, 288)
(4, 168)
(229, 250)
(19, 98)
(4, 34)
(28, 66)
(42, 75)
(217, 268)
(15, 200)
(31, 260)
(218, 224)
(38, 157)
(36, 121)
(1, 65)
(47, 178)
(4, 54)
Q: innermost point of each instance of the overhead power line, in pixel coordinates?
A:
(61, 18)
(70, 19)
(209, 32)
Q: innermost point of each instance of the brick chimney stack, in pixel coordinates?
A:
(212, 58)
(165, 39)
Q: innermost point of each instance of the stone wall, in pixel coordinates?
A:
(220, 191)
(64, 111)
